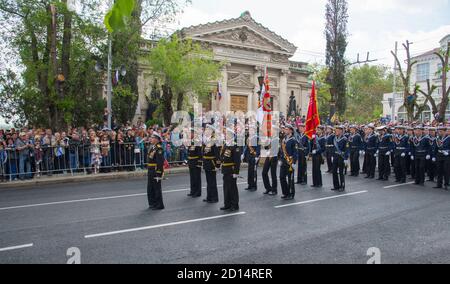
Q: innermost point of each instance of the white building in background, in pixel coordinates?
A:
(427, 67)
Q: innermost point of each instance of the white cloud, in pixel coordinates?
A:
(411, 7)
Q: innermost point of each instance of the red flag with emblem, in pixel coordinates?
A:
(313, 119)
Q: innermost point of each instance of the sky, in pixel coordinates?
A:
(374, 25)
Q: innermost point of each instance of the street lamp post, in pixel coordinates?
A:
(109, 87)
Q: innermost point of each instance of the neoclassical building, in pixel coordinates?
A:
(246, 47)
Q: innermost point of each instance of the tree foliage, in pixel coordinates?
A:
(183, 68)
(336, 36)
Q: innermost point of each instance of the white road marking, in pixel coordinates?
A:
(321, 199)
(161, 225)
(398, 185)
(16, 247)
(96, 199)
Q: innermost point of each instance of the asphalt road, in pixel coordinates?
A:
(108, 222)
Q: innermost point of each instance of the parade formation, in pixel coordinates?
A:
(410, 151)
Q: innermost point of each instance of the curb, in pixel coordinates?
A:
(87, 178)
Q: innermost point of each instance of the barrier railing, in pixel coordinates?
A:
(79, 158)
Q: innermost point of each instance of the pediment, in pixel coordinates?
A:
(240, 80)
(242, 32)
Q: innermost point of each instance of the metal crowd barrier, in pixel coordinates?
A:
(85, 159)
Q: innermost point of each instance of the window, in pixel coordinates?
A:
(423, 72)
(439, 71)
(401, 113)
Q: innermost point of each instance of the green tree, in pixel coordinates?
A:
(366, 86)
(182, 67)
(51, 80)
(336, 35)
(319, 75)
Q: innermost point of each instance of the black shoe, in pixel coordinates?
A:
(380, 178)
(334, 189)
(225, 208)
(290, 197)
(341, 189)
(205, 200)
(284, 197)
(158, 208)
(247, 188)
(298, 182)
(304, 183)
(367, 177)
(252, 189)
(438, 186)
(196, 196)
(273, 193)
(267, 192)
(386, 179)
(190, 194)
(213, 201)
(234, 209)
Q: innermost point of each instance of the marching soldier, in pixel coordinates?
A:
(270, 164)
(385, 147)
(442, 154)
(329, 136)
(400, 154)
(317, 148)
(431, 164)
(371, 148)
(364, 134)
(251, 154)
(303, 152)
(195, 168)
(340, 157)
(288, 163)
(411, 169)
(230, 157)
(155, 168)
(421, 153)
(356, 146)
(211, 161)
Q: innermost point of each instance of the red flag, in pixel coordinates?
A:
(313, 119)
(266, 104)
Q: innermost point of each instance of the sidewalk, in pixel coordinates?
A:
(62, 179)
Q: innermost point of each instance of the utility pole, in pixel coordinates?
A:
(394, 92)
(109, 84)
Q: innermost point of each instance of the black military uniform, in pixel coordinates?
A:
(317, 149)
(211, 161)
(230, 157)
(195, 170)
(329, 150)
(371, 148)
(288, 160)
(252, 152)
(270, 164)
(422, 153)
(303, 152)
(339, 157)
(431, 164)
(442, 154)
(385, 147)
(356, 145)
(400, 156)
(411, 168)
(155, 168)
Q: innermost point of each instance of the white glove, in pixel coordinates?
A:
(446, 153)
(403, 155)
(242, 157)
(378, 151)
(280, 163)
(346, 163)
(362, 153)
(256, 160)
(412, 158)
(235, 176)
(388, 153)
(375, 155)
(409, 153)
(294, 167)
(428, 157)
(434, 159)
(314, 152)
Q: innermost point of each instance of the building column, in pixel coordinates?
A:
(224, 104)
(283, 95)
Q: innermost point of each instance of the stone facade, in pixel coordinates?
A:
(246, 47)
